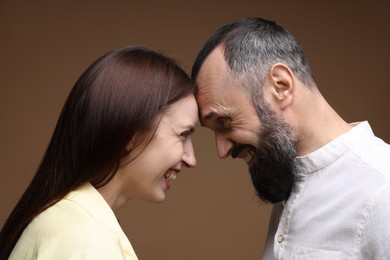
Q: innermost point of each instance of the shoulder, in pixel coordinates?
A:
(375, 154)
(374, 229)
(66, 228)
(80, 226)
(58, 218)
(84, 239)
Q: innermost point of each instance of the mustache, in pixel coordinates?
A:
(236, 150)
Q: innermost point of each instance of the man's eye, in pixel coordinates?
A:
(223, 122)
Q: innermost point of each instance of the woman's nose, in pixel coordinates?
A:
(189, 155)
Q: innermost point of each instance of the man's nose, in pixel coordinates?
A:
(224, 145)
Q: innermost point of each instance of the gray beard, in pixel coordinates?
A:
(273, 170)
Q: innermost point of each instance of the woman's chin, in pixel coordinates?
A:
(157, 198)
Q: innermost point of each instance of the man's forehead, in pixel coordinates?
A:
(204, 101)
(212, 107)
(213, 62)
(211, 82)
(209, 116)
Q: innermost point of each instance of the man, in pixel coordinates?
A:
(329, 180)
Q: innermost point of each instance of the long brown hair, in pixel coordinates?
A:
(117, 99)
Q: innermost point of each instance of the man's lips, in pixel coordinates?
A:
(244, 152)
(248, 156)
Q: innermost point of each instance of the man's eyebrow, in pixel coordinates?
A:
(210, 115)
(217, 111)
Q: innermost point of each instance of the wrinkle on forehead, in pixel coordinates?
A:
(213, 109)
(211, 87)
(213, 82)
(204, 102)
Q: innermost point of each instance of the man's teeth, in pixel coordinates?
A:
(170, 175)
(248, 156)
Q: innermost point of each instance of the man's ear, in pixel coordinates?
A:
(281, 85)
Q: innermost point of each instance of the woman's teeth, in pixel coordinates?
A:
(170, 175)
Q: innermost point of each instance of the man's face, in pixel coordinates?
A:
(242, 130)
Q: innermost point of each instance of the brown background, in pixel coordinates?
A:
(211, 212)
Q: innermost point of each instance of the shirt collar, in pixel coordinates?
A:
(333, 150)
(90, 199)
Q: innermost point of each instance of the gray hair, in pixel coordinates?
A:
(251, 47)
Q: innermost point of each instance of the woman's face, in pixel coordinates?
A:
(151, 174)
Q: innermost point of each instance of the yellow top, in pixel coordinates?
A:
(80, 226)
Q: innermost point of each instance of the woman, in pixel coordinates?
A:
(124, 133)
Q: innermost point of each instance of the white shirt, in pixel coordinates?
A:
(340, 206)
(80, 226)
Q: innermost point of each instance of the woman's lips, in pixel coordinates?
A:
(169, 176)
(167, 183)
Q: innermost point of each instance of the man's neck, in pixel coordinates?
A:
(318, 126)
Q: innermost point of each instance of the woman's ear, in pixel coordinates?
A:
(281, 85)
(129, 147)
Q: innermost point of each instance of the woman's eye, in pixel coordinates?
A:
(185, 134)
